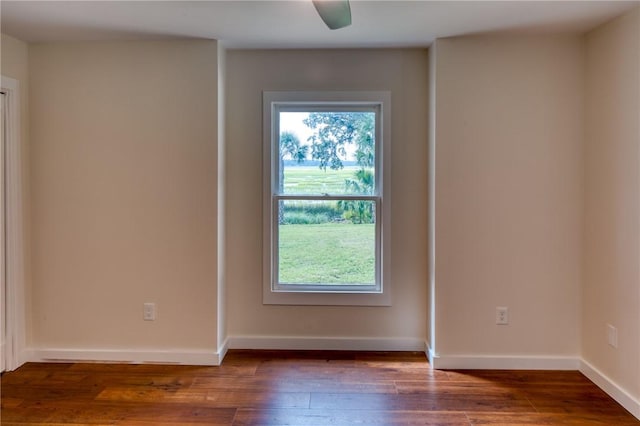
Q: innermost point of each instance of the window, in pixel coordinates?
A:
(326, 198)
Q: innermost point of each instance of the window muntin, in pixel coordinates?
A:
(324, 232)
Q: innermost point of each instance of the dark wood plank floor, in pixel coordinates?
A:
(301, 388)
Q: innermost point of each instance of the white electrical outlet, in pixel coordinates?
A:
(612, 336)
(149, 311)
(502, 315)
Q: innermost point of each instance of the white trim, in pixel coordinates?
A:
(431, 214)
(222, 351)
(3, 287)
(345, 296)
(429, 352)
(221, 305)
(325, 343)
(470, 362)
(15, 244)
(611, 388)
(193, 357)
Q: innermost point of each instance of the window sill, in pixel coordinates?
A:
(271, 297)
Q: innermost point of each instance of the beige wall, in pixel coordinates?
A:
(612, 201)
(124, 191)
(508, 165)
(404, 73)
(14, 63)
(15, 58)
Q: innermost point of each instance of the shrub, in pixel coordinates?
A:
(305, 213)
(302, 218)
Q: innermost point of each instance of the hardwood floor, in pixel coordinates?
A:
(301, 389)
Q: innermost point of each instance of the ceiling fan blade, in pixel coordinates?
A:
(335, 13)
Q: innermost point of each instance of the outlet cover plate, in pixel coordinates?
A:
(612, 336)
(502, 315)
(149, 312)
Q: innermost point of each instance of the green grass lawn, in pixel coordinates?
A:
(314, 180)
(329, 253)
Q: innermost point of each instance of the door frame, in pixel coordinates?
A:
(15, 289)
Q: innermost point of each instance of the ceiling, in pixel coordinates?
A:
(295, 24)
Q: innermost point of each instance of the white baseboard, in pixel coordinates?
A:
(468, 362)
(222, 350)
(3, 363)
(194, 357)
(17, 360)
(430, 353)
(324, 343)
(23, 357)
(611, 388)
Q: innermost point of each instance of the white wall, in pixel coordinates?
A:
(612, 202)
(124, 194)
(404, 73)
(508, 197)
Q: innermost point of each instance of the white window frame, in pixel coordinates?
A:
(290, 294)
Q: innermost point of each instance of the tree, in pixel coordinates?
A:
(359, 211)
(290, 149)
(333, 132)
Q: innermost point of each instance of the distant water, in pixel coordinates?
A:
(316, 163)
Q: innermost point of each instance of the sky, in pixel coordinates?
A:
(292, 122)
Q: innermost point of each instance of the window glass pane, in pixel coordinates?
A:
(327, 153)
(326, 242)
